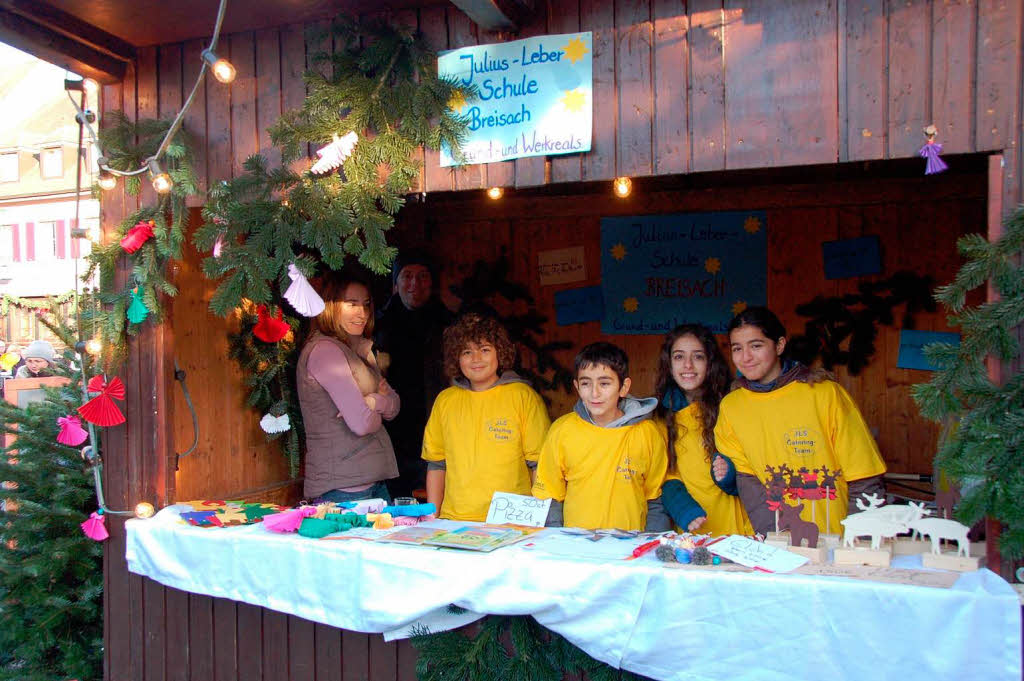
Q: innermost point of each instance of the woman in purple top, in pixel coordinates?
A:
(344, 400)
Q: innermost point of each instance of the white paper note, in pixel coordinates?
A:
(517, 509)
(755, 554)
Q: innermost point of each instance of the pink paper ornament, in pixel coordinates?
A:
(301, 295)
(288, 521)
(218, 245)
(71, 431)
(95, 527)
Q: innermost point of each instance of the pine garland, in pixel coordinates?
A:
(51, 575)
(981, 450)
(7, 301)
(506, 649)
(127, 144)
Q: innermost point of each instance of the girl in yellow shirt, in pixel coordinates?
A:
(692, 379)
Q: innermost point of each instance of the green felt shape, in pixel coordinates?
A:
(314, 528)
(256, 511)
(137, 311)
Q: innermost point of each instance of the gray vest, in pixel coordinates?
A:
(335, 456)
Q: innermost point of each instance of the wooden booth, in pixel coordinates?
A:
(810, 111)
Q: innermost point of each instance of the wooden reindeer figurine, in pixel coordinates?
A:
(798, 529)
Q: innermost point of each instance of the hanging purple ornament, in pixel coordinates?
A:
(930, 152)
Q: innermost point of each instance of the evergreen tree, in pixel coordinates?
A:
(982, 450)
(51, 574)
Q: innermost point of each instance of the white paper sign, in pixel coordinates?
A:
(755, 554)
(562, 265)
(517, 510)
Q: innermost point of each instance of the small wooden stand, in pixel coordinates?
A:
(863, 555)
(951, 561)
(830, 541)
(905, 546)
(779, 540)
(818, 556)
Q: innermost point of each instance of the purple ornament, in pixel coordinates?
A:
(930, 152)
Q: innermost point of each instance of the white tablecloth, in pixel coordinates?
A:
(636, 615)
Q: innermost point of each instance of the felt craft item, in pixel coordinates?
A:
(275, 424)
(381, 521)
(365, 506)
(201, 518)
(930, 152)
(95, 526)
(137, 311)
(8, 360)
(665, 553)
(684, 556)
(101, 410)
(701, 556)
(288, 521)
(137, 235)
(71, 431)
(268, 329)
(301, 295)
(414, 510)
(334, 154)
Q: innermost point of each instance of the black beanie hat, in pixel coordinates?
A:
(412, 256)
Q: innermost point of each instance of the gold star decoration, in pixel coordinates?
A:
(739, 306)
(573, 100)
(618, 251)
(575, 50)
(630, 304)
(752, 225)
(713, 265)
(457, 101)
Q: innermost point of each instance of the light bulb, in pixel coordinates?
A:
(144, 509)
(622, 186)
(91, 88)
(107, 180)
(93, 346)
(495, 193)
(222, 68)
(162, 182)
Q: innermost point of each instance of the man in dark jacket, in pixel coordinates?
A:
(409, 344)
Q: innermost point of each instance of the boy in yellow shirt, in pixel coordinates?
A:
(485, 432)
(605, 461)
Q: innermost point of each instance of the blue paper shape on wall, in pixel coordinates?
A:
(912, 347)
(578, 305)
(851, 257)
(659, 271)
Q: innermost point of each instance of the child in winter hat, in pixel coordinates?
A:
(38, 358)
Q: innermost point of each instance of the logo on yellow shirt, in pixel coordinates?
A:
(626, 470)
(802, 442)
(501, 430)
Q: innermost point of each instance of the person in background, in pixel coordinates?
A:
(10, 360)
(699, 492)
(409, 339)
(792, 431)
(39, 359)
(344, 400)
(485, 432)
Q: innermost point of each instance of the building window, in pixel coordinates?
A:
(51, 162)
(9, 167)
(7, 243)
(46, 241)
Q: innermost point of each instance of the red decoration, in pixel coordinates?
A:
(101, 409)
(268, 329)
(95, 527)
(71, 431)
(137, 236)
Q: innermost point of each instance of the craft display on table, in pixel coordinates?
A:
(815, 488)
(71, 431)
(938, 529)
(216, 513)
(685, 549)
(799, 531)
(288, 521)
(101, 410)
(301, 295)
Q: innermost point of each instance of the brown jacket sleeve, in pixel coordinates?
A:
(755, 500)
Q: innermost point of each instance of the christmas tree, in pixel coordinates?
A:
(982, 448)
(51, 575)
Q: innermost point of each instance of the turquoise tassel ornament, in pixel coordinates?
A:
(137, 311)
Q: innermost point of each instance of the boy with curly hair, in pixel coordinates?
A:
(484, 432)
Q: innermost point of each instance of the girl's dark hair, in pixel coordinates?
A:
(762, 318)
(475, 328)
(714, 388)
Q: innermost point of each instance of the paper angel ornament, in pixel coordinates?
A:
(101, 409)
(218, 245)
(71, 431)
(930, 152)
(301, 295)
(288, 521)
(137, 311)
(137, 236)
(95, 527)
(275, 424)
(334, 154)
(269, 329)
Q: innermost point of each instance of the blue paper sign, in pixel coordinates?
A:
(578, 305)
(535, 97)
(659, 271)
(851, 257)
(912, 347)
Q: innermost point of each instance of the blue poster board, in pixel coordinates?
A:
(851, 257)
(535, 97)
(578, 305)
(912, 347)
(659, 271)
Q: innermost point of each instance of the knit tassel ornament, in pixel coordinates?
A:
(930, 152)
(137, 311)
(269, 329)
(71, 431)
(275, 424)
(95, 526)
(101, 410)
(334, 154)
(288, 521)
(301, 295)
(137, 235)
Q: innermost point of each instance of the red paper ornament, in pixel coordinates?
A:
(95, 527)
(137, 236)
(101, 409)
(268, 329)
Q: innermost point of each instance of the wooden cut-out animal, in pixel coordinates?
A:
(873, 501)
(946, 501)
(873, 524)
(798, 529)
(938, 529)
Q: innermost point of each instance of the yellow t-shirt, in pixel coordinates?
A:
(725, 512)
(803, 441)
(485, 439)
(604, 475)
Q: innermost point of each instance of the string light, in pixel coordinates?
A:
(144, 509)
(495, 193)
(622, 186)
(93, 346)
(162, 182)
(106, 181)
(221, 68)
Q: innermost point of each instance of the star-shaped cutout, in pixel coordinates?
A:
(752, 225)
(713, 265)
(575, 50)
(573, 100)
(739, 306)
(630, 304)
(618, 251)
